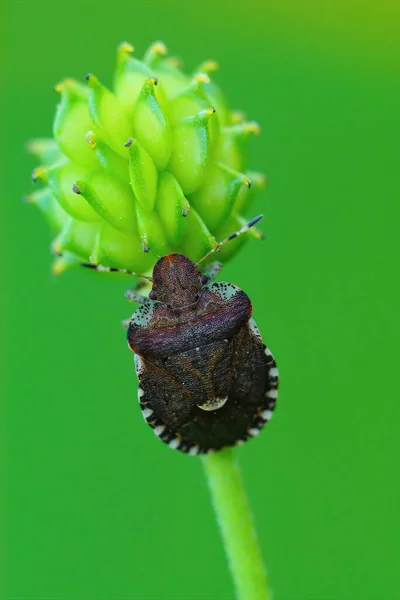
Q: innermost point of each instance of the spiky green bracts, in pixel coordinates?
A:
(158, 164)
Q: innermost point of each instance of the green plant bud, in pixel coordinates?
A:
(48, 205)
(237, 116)
(61, 179)
(173, 208)
(130, 75)
(215, 199)
(158, 165)
(189, 167)
(46, 151)
(232, 144)
(143, 174)
(191, 101)
(246, 196)
(108, 115)
(76, 237)
(173, 80)
(110, 199)
(151, 232)
(155, 51)
(112, 164)
(120, 250)
(207, 66)
(197, 239)
(71, 123)
(214, 93)
(151, 126)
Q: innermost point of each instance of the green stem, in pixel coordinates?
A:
(236, 524)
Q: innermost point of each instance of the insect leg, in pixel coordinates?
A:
(212, 270)
(133, 296)
(104, 269)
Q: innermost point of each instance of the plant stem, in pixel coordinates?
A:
(236, 524)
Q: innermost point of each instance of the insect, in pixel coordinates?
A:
(206, 380)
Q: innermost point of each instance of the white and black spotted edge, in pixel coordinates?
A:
(266, 411)
(177, 442)
(165, 434)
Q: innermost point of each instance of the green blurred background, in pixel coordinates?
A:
(96, 507)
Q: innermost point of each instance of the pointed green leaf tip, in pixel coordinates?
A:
(151, 125)
(107, 114)
(143, 174)
(191, 150)
(173, 208)
(157, 164)
(72, 121)
(110, 199)
(216, 198)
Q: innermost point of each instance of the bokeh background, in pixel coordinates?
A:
(97, 508)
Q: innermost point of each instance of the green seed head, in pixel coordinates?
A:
(158, 165)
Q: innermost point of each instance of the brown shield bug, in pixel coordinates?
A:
(206, 380)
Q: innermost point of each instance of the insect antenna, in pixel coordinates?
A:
(104, 269)
(234, 235)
